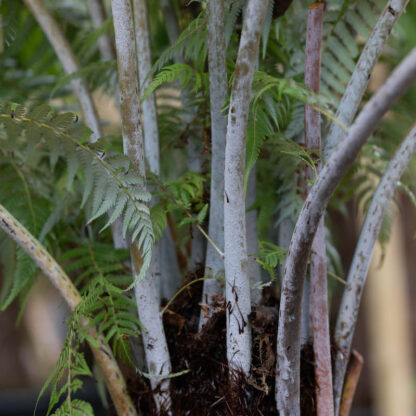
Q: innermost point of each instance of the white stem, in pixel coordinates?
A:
(254, 271)
(195, 160)
(156, 349)
(154, 341)
(98, 16)
(236, 260)
(170, 273)
(194, 148)
(214, 265)
(359, 80)
(144, 65)
(169, 277)
(106, 47)
(69, 63)
(288, 342)
(132, 132)
(350, 303)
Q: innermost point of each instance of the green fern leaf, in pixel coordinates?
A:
(25, 274)
(231, 18)
(185, 74)
(190, 43)
(202, 214)
(75, 408)
(118, 210)
(88, 177)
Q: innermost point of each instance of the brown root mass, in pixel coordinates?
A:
(208, 389)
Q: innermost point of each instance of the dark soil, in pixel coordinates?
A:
(207, 389)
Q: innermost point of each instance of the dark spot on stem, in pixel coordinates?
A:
(11, 231)
(105, 352)
(391, 11)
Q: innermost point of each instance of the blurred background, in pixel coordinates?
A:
(31, 339)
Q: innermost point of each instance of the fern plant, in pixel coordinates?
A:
(68, 192)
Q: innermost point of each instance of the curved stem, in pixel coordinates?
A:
(350, 303)
(359, 80)
(51, 269)
(288, 342)
(69, 63)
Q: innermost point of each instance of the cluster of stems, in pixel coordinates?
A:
(228, 225)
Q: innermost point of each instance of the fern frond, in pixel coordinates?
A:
(346, 24)
(17, 191)
(231, 18)
(185, 74)
(268, 116)
(65, 376)
(290, 88)
(340, 48)
(75, 408)
(96, 74)
(159, 219)
(105, 302)
(110, 182)
(266, 27)
(187, 191)
(25, 275)
(270, 256)
(271, 112)
(190, 44)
